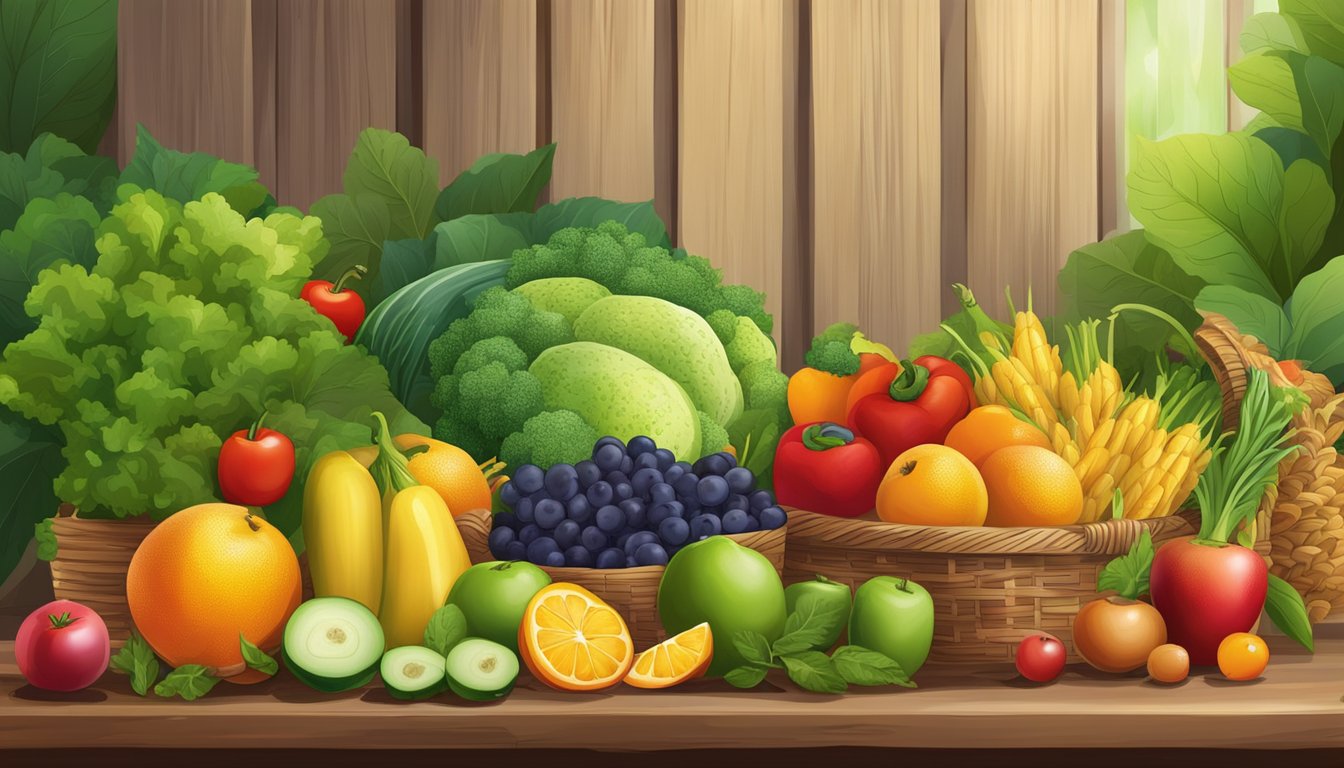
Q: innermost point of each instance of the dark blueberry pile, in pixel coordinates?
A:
(629, 505)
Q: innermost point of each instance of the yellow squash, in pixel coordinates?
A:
(424, 552)
(343, 530)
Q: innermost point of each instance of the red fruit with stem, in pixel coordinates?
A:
(342, 307)
(256, 466)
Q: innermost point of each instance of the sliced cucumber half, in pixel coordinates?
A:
(333, 644)
(481, 670)
(413, 672)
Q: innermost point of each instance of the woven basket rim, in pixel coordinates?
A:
(1110, 537)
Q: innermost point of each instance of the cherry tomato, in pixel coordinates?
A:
(1169, 664)
(62, 646)
(342, 307)
(1040, 658)
(256, 466)
(1242, 656)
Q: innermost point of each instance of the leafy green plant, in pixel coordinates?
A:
(59, 71)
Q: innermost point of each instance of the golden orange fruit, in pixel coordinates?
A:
(1031, 486)
(675, 660)
(1242, 656)
(932, 485)
(573, 641)
(989, 428)
(449, 470)
(1169, 664)
(207, 575)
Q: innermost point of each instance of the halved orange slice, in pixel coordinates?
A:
(573, 641)
(675, 660)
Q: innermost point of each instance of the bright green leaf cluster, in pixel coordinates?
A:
(184, 329)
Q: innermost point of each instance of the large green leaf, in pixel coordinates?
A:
(51, 166)
(498, 183)
(1308, 204)
(1317, 317)
(1128, 269)
(1293, 145)
(51, 231)
(591, 211)
(1214, 203)
(1322, 25)
(389, 189)
(1253, 314)
(58, 70)
(30, 459)
(1271, 32)
(185, 177)
(1302, 92)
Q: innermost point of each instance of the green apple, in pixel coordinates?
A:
(830, 594)
(895, 618)
(493, 597)
(732, 587)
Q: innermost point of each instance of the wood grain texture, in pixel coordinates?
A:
(602, 98)
(731, 147)
(335, 76)
(877, 166)
(1296, 706)
(1032, 144)
(953, 235)
(479, 80)
(185, 70)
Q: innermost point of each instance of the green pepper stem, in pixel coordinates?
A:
(390, 469)
(357, 272)
(256, 426)
(910, 384)
(826, 435)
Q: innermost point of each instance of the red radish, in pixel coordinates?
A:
(1206, 592)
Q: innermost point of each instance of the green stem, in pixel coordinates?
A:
(390, 470)
(357, 272)
(256, 426)
(62, 621)
(910, 384)
(1191, 351)
(826, 435)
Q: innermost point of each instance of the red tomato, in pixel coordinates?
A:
(1206, 592)
(62, 646)
(342, 307)
(256, 466)
(1040, 658)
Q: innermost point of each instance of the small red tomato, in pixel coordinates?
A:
(1040, 658)
(62, 646)
(256, 466)
(342, 307)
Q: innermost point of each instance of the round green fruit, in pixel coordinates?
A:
(732, 587)
(493, 597)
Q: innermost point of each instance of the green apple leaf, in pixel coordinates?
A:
(860, 666)
(813, 671)
(745, 677)
(447, 627)
(1286, 609)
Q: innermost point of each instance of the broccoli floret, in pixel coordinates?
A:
(749, 345)
(724, 324)
(764, 387)
(830, 350)
(496, 349)
(464, 436)
(550, 437)
(543, 331)
(496, 401)
(713, 437)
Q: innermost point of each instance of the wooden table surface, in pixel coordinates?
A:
(1298, 704)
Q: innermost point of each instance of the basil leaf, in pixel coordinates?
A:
(1286, 609)
(190, 681)
(745, 677)
(811, 624)
(860, 666)
(446, 629)
(256, 658)
(1127, 574)
(813, 671)
(137, 660)
(754, 647)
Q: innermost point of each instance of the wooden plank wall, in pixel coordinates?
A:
(851, 158)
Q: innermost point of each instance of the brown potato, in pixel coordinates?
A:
(1117, 635)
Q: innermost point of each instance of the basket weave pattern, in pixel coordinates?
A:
(90, 566)
(633, 592)
(990, 586)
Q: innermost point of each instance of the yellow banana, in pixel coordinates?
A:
(343, 530)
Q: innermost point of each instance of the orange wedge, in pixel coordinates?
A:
(573, 641)
(675, 660)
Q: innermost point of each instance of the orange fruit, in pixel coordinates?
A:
(989, 428)
(1242, 656)
(1031, 486)
(573, 641)
(206, 575)
(449, 470)
(932, 485)
(675, 660)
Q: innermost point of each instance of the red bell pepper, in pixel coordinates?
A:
(342, 307)
(256, 466)
(822, 467)
(920, 405)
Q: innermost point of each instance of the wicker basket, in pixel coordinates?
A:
(90, 565)
(990, 586)
(631, 591)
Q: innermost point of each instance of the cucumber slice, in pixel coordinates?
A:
(332, 644)
(413, 672)
(481, 670)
